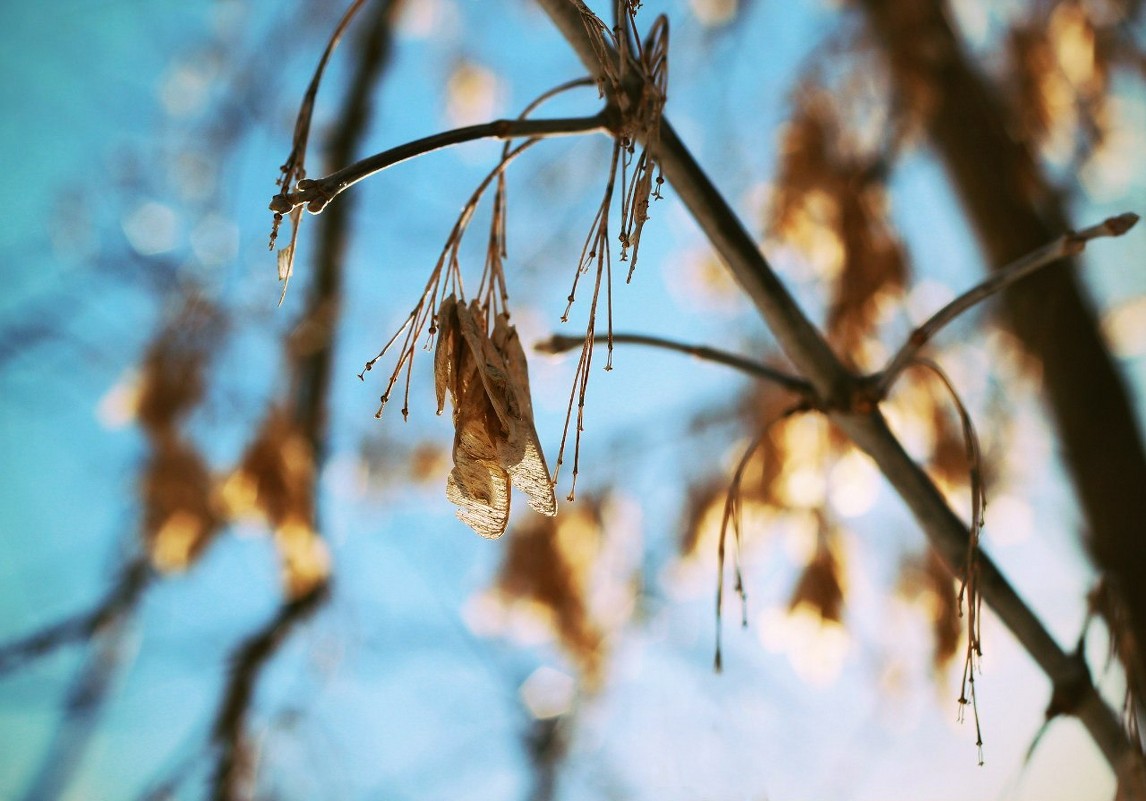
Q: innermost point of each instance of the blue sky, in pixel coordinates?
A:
(107, 106)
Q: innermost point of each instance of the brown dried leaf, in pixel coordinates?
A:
(819, 585)
(276, 479)
(1036, 81)
(278, 469)
(551, 563)
(445, 355)
(521, 454)
(925, 580)
(172, 371)
(179, 518)
(829, 202)
(495, 442)
(305, 561)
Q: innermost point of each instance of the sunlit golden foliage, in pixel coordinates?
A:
(558, 569)
(801, 464)
(171, 376)
(275, 482)
(924, 580)
(830, 203)
(1060, 79)
(179, 515)
(820, 585)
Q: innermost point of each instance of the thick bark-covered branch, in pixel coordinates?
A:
(1013, 209)
(838, 389)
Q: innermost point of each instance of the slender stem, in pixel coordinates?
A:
(560, 343)
(1069, 244)
(319, 192)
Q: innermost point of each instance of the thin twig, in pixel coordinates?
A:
(86, 698)
(234, 769)
(731, 518)
(969, 586)
(1069, 244)
(316, 194)
(560, 343)
(120, 599)
(863, 423)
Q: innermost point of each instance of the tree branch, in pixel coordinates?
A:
(841, 395)
(307, 402)
(234, 770)
(1014, 207)
(1069, 244)
(559, 343)
(121, 598)
(317, 193)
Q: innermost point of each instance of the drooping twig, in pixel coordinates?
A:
(969, 585)
(317, 193)
(445, 276)
(838, 389)
(731, 518)
(560, 343)
(1069, 244)
(1014, 205)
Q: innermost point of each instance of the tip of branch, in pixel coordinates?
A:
(556, 344)
(1122, 223)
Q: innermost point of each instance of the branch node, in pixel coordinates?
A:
(1071, 687)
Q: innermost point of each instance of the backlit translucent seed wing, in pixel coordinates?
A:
(521, 453)
(495, 442)
(478, 484)
(480, 490)
(490, 363)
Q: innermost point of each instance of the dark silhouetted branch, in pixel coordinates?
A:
(317, 193)
(234, 770)
(308, 396)
(119, 600)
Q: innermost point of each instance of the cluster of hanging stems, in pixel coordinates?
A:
(639, 181)
(633, 81)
